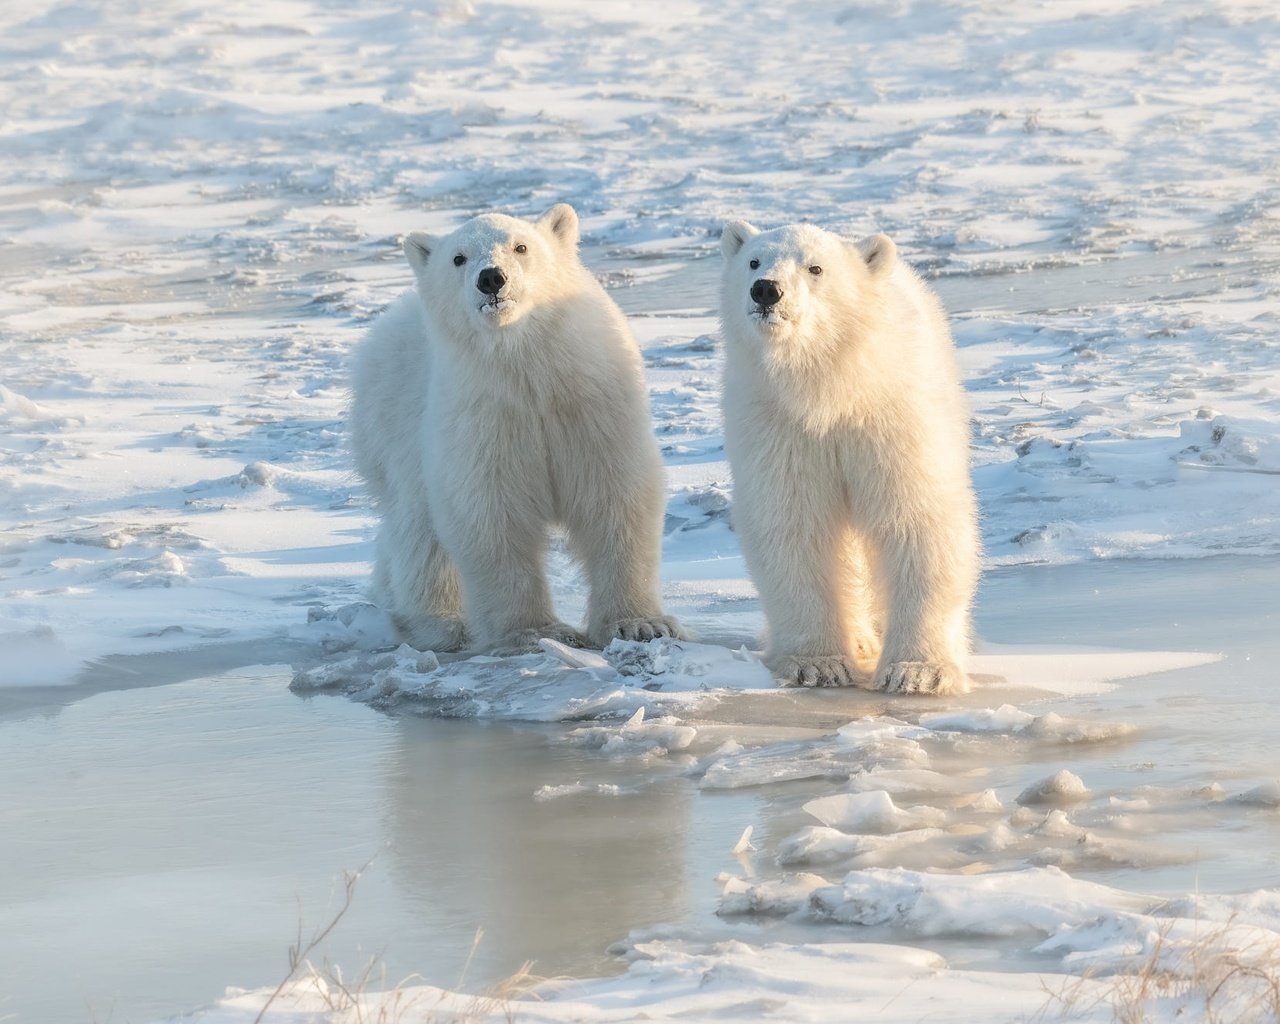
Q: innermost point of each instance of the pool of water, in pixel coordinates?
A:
(164, 841)
(161, 843)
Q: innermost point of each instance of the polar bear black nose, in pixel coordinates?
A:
(491, 280)
(765, 292)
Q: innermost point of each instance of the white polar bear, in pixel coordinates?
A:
(847, 433)
(505, 397)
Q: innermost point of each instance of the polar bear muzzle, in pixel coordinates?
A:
(765, 293)
(491, 280)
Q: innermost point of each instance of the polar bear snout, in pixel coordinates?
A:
(491, 280)
(765, 293)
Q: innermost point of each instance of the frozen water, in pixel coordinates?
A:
(871, 812)
(1062, 787)
(199, 212)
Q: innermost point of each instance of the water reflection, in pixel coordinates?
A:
(557, 879)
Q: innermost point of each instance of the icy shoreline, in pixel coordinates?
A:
(946, 855)
(1019, 835)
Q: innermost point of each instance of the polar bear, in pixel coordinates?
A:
(503, 398)
(847, 433)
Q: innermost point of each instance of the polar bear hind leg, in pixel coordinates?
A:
(418, 582)
(501, 566)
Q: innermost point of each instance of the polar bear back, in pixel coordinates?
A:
(389, 382)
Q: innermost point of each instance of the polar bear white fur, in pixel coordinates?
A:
(847, 432)
(504, 398)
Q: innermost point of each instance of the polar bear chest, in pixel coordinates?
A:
(539, 447)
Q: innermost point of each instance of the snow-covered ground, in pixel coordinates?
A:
(199, 212)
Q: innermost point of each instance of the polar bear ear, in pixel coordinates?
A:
(879, 253)
(562, 221)
(417, 247)
(735, 235)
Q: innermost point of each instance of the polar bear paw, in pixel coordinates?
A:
(525, 641)
(431, 632)
(939, 678)
(819, 670)
(644, 627)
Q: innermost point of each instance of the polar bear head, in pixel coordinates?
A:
(496, 272)
(798, 289)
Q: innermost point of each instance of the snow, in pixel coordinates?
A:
(200, 209)
(724, 981)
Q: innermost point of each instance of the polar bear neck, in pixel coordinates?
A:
(828, 368)
(853, 367)
(560, 344)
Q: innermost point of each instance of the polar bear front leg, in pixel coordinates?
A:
(504, 585)
(797, 559)
(621, 548)
(415, 580)
(928, 579)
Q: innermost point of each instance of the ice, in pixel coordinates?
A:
(782, 896)
(34, 656)
(736, 769)
(986, 802)
(882, 742)
(1265, 795)
(823, 845)
(871, 812)
(1072, 670)
(911, 781)
(543, 793)
(636, 735)
(1005, 718)
(883, 739)
(360, 626)
(1008, 719)
(1260, 909)
(1042, 901)
(200, 212)
(557, 684)
(575, 657)
(1061, 787)
(1055, 728)
(379, 675)
(682, 665)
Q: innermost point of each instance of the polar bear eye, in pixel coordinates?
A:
(754, 264)
(459, 260)
(815, 270)
(522, 248)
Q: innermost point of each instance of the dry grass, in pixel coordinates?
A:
(298, 952)
(363, 998)
(1219, 984)
(1212, 979)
